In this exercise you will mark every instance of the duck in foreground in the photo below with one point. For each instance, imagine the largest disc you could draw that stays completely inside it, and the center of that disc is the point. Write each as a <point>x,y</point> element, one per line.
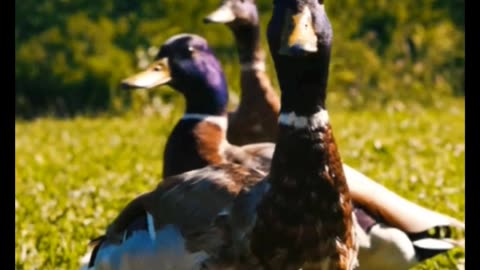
<point>255,119</point>
<point>306,220</point>
<point>393,230</point>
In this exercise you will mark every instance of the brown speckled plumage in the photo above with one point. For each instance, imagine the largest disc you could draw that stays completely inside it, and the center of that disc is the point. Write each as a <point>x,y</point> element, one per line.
<point>299,221</point>
<point>226,182</point>
<point>385,207</point>
<point>306,218</point>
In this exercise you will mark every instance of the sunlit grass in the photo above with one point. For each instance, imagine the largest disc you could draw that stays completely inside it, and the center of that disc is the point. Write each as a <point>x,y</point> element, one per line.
<point>72,176</point>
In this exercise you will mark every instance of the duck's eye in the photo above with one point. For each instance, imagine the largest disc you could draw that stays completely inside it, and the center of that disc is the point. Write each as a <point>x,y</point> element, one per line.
<point>187,53</point>
<point>157,68</point>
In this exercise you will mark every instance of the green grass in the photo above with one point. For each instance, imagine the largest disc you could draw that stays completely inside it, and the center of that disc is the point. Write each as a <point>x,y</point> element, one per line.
<point>72,176</point>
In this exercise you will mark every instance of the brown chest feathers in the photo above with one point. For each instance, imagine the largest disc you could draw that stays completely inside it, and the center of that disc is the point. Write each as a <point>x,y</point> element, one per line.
<point>193,144</point>
<point>307,214</point>
<point>210,139</point>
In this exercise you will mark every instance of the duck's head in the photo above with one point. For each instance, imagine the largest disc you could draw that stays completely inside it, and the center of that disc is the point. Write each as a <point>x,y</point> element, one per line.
<point>299,36</point>
<point>241,17</point>
<point>299,27</point>
<point>234,13</point>
<point>186,63</point>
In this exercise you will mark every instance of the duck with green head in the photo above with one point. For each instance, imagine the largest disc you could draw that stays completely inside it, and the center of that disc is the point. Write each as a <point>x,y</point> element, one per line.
<point>187,64</point>
<point>179,223</point>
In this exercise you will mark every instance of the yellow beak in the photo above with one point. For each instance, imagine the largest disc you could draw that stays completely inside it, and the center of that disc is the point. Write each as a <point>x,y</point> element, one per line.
<point>154,75</point>
<point>223,14</point>
<point>298,35</point>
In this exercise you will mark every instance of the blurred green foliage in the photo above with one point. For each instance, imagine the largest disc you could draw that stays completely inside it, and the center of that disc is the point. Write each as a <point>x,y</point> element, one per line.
<point>71,54</point>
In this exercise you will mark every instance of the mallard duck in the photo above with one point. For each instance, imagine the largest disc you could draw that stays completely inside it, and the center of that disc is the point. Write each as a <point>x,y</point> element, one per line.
<point>306,219</point>
<point>255,119</point>
<point>186,63</point>
<point>391,225</point>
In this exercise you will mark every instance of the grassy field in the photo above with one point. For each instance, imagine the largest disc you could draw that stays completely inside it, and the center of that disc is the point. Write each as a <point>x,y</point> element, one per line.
<point>72,176</point>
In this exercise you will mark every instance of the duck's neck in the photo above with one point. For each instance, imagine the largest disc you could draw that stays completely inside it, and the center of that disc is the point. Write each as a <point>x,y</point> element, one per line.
<point>304,82</point>
<point>212,101</point>
<point>250,52</point>
<point>197,140</point>
<point>306,166</point>
<point>254,82</point>
<point>205,90</point>
<point>306,158</point>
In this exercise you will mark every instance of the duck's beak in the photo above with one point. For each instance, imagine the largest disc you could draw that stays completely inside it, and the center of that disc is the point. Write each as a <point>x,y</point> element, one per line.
<point>298,35</point>
<point>223,14</point>
<point>156,74</point>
